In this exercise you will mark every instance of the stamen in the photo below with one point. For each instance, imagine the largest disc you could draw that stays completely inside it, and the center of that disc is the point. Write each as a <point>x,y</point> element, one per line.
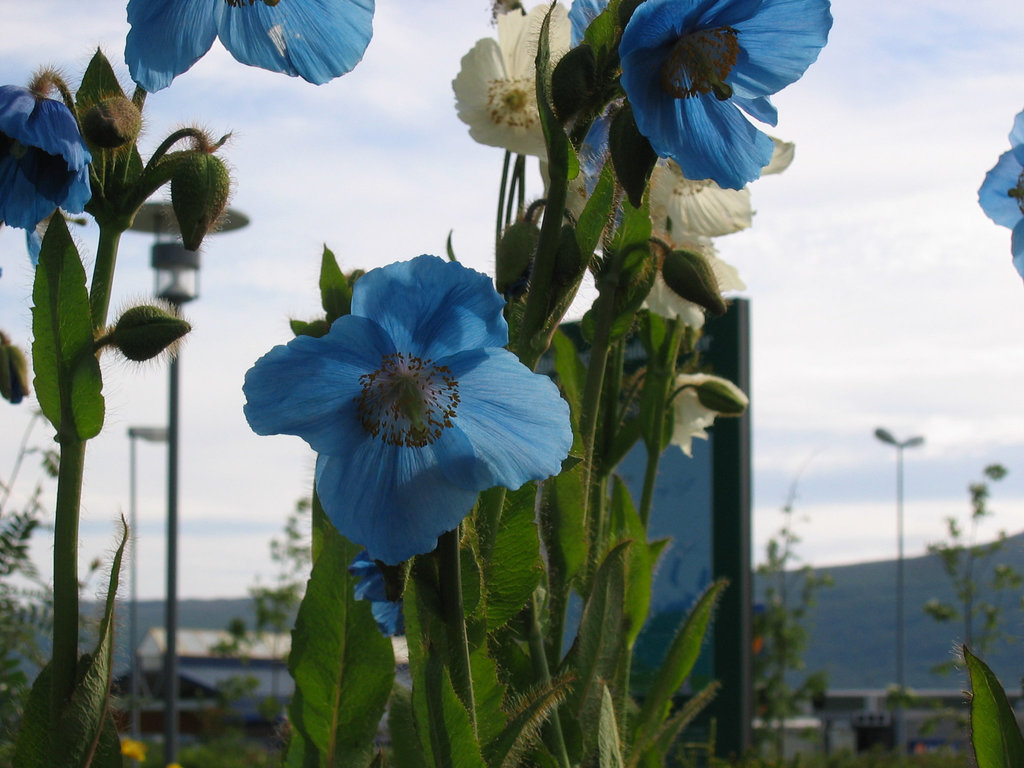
<point>407,401</point>
<point>700,62</point>
<point>1017,193</point>
<point>512,102</point>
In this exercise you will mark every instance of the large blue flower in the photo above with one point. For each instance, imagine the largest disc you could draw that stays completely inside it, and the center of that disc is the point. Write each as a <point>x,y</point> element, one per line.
<point>413,405</point>
<point>44,163</point>
<point>316,40</point>
<point>690,66</point>
<point>387,613</point>
<point>1002,193</point>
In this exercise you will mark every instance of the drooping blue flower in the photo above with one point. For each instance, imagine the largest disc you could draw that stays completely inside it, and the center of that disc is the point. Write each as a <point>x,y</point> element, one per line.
<point>387,613</point>
<point>1001,195</point>
<point>413,405</point>
<point>316,40</point>
<point>690,66</point>
<point>581,14</point>
<point>44,163</point>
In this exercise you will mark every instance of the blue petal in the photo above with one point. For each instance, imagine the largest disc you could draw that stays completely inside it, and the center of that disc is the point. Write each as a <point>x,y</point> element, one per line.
<point>515,419</point>
<point>779,43</point>
<point>581,14</point>
<point>34,245</point>
<point>167,37</point>
<point>393,500</point>
<point>308,387</point>
<point>992,196</point>
<point>389,617</point>
<point>1017,247</point>
<point>1017,137</point>
<point>317,40</point>
<point>432,308</point>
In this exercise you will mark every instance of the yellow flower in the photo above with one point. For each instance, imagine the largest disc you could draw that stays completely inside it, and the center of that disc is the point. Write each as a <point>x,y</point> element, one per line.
<point>133,750</point>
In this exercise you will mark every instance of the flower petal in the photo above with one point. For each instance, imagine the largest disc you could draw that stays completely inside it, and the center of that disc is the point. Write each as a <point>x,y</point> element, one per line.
<point>432,308</point>
<point>166,38</point>
<point>515,419</point>
<point>1017,247</point>
<point>309,387</point>
<point>393,500</point>
<point>992,196</point>
<point>316,40</point>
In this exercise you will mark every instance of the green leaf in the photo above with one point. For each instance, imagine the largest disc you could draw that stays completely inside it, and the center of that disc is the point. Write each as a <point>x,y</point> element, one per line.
<point>99,82</point>
<point>642,558</point>
<point>678,664</point>
<point>631,154</point>
<point>67,374</point>
<point>513,568</point>
<point>609,750</point>
<point>995,735</point>
<point>562,524</point>
<point>407,749</point>
<point>523,730</point>
<point>343,666</point>
<point>32,746</point>
<point>562,160</point>
<point>599,647</point>
<point>335,292</point>
<point>594,217</point>
<point>80,730</point>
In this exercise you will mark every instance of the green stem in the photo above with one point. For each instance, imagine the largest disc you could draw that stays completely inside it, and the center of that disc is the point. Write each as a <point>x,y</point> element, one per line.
<point>650,476</point>
<point>65,573</point>
<point>103,274</point>
<point>499,223</point>
<point>450,577</point>
<point>540,666</point>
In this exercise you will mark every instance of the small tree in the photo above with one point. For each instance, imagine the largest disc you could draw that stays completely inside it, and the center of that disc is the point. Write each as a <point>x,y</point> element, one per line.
<point>981,585</point>
<point>781,634</point>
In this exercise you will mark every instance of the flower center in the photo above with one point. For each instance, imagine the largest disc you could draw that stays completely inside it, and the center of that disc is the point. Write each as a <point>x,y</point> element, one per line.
<point>407,401</point>
<point>1017,193</point>
<point>700,62</point>
<point>512,102</point>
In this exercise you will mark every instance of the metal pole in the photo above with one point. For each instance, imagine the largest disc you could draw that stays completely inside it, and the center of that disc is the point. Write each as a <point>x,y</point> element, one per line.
<point>900,644</point>
<point>171,604</point>
<point>133,620</point>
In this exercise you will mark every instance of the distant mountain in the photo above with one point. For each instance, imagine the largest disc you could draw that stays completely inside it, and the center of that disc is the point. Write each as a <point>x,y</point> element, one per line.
<point>852,628</point>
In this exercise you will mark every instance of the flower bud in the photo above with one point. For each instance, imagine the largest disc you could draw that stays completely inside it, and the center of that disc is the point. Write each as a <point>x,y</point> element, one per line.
<point>573,81</point>
<point>199,194</point>
<point>515,254</point>
<point>690,276</point>
<point>13,372</point>
<point>722,396</point>
<point>143,332</point>
<point>112,123</point>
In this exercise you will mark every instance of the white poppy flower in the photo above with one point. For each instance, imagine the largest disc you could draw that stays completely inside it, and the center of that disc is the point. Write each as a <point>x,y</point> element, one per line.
<point>496,88</point>
<point>691,416</point>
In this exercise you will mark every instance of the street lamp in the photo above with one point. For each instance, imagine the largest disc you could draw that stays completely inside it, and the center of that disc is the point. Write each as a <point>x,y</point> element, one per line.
<point>911,442</point>
<point>151,435</point>
<point>177,281</point>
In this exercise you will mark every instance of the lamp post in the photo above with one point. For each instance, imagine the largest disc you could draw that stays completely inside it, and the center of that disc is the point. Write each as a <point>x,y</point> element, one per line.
<point>177,281</point>
<point>152,435</point>
<point>911,442</point>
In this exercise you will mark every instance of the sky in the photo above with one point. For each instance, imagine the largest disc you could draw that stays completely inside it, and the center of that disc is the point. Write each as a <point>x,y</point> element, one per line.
<point>880,293</point>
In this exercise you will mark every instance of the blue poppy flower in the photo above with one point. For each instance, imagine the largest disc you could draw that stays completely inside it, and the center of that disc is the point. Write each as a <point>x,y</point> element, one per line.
<point>413,406</point>
<point>690,66</point>
<point>44,163</point>
<point>1002,193</point>
<point>316,40</point>
<point>387,613</point>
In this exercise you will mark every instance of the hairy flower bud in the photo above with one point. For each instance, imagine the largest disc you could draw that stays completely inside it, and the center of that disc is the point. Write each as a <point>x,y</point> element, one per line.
<point>515,254</point>
<point>199,193</point>
<point>690,276</point>
<point>144,331</point>
<point>722,396</point>
<point>13,372</point>
<point>112,123</point>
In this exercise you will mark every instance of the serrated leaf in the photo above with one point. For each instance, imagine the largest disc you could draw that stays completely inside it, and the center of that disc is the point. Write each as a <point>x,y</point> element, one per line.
<point>678,664</point>
<point>572,373</point>
<point>642,558</point>
<point>995,735</point>
<point>523,728</point>
<point>335,292</point>
<point>67,379</point>
<point>342,665</point>
<point>594,217</point>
